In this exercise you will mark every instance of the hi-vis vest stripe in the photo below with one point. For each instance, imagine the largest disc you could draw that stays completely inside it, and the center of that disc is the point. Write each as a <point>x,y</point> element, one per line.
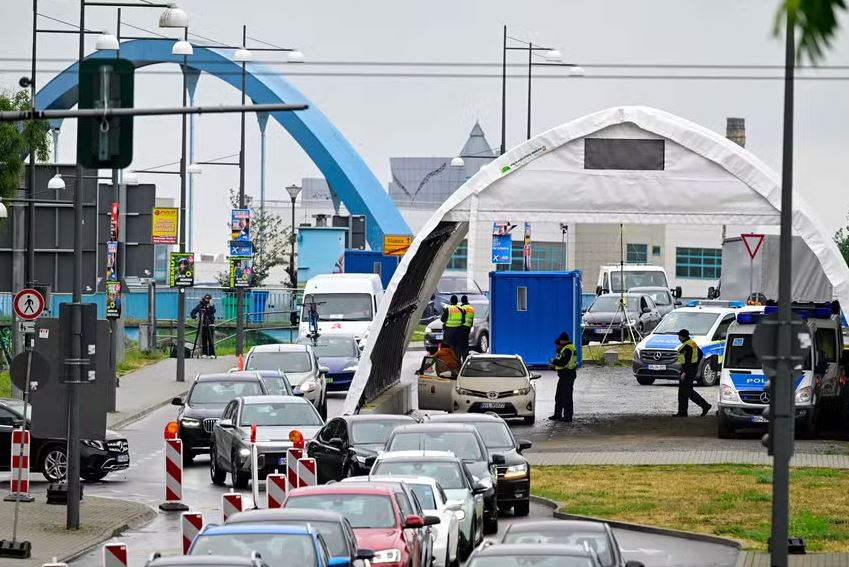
<point>470,315</point>
<point>694,352</point>
<point>573,360</point>
<point>455,316</point>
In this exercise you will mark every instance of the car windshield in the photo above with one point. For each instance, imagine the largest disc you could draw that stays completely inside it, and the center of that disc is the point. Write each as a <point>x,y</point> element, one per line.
<point>594,540</point>
<point>660,297</point>
<point>610,304</point>
<point>698,323</point>
<point>495,434</point>
<point>534,560</point>
<point>637,278</point>
<point>448,474</point>
<point>375,432</point>
<point>219,392</point>
<point>339,306</point>
<point>424,493</point>
<point>277,385</point>
<point>275,549</point>
<point>279,413</point>
<point>362,510</point>
<point>18,407</point>
<point>332,533</point>
<point>458,286</point>
<point>463,444</point>
<point>333,346</point>
<point>480,367</point>
<point>295,361</point>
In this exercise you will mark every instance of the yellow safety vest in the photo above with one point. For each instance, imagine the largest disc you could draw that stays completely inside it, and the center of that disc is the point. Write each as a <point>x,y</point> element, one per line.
<point>470,315</point>
<point>573,360</point>
<point>694,352</point>
<point>455,317</point>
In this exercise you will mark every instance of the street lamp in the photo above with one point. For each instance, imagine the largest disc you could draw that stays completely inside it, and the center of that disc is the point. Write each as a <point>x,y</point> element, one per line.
<point>457,162</point>
<point>107,42</point>
<point>174,17</point>
<point>296,56</point>
<point>293,191</point>
<point>194,169</point>
<point>3,212</point>
<point>56,182</point>
<point>182,47</point>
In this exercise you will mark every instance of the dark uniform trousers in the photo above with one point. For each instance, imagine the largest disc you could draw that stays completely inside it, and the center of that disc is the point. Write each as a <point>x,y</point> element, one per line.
<point>686,392</point>
<point>563,407</point>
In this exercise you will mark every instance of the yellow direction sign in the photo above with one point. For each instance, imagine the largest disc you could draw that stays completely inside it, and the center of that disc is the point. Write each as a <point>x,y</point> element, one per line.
<point>396,245</point>
<point>164,229</point>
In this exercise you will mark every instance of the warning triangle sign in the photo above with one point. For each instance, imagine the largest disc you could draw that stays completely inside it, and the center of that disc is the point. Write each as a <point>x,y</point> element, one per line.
<point>753,243</point>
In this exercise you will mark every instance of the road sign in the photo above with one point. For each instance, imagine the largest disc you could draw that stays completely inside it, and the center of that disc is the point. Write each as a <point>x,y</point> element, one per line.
<point>105,143</point>
<point>39,371</point>
<point>28,304</point>
<point>753,243</point>
<point>165,223</point>
<point>396,245</point>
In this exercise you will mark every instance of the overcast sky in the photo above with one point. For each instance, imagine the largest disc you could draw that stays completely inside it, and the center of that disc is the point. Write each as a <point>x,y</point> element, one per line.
<point>393,116</point>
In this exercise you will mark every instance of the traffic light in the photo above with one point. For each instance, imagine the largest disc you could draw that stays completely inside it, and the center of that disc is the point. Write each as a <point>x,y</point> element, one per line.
<point>105,143</point>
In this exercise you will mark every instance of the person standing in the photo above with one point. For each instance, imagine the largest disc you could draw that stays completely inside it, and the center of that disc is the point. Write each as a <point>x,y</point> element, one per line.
<point>206,325</point>
<point>452,325</point>
<point>689,357</point>
<point>466,329</point>
<point>565,364</point>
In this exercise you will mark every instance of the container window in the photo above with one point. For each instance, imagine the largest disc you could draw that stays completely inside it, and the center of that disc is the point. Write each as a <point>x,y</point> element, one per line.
<point>521,298</point>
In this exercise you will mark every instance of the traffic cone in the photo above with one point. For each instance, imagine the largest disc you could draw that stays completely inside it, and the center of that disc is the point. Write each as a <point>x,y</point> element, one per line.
<point>240,362</point>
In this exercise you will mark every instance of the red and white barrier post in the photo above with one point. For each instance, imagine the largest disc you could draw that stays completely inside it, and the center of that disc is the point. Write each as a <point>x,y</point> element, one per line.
<point>191,523</point>
<point>19,484</point>
<point>231,503</point>
<point>307,473</point>
<point>115,555</point>
<point>254,468</point>
<point>173,470</point>
<point>292,457</point>
<point>276,487</point>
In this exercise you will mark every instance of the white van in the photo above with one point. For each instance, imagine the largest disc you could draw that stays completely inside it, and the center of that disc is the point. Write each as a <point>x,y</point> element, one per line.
<point>346,303</point>
<point>635,275</point>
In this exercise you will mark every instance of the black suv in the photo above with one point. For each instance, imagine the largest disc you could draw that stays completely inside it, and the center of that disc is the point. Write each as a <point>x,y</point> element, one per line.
<point>205,403</point>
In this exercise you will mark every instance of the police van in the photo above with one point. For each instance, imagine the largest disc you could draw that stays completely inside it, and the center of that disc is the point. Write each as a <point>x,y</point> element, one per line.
<point>656,356</point>
<point>818,383</point>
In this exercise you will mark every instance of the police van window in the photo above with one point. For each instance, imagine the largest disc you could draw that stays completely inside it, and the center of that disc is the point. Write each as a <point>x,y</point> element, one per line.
<point>722,330</point>
<point>521,298</point>
<point>827,343</point>
<point>740,353</point>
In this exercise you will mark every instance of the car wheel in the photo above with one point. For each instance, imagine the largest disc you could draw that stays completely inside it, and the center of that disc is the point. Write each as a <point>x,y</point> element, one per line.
<point>529,419</point>
<point>483,342</point>
<point>188,457</point>
<point>215,473</point>
<point>490,526</point>
<point>238,479</point>
<point>323,411</point>
<point>94,476</point>
<point>643,381</point>
<point>724,429</point>
<point>54,463</point>
<point>708,376</point>
<point>522,508</point>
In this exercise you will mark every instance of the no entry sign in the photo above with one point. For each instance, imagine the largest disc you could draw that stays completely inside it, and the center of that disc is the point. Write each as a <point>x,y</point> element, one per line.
<point>28,304</point>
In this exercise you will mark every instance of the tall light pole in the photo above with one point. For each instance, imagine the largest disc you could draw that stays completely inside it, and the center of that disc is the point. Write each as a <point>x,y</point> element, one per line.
<point>293,191</point>
<point>242,56</point>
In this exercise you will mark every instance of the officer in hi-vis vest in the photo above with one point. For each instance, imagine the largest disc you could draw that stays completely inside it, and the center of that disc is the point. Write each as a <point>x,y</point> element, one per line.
<point>452,326</point>
<point>565,363</point>
<point>689,357</point>
<point>468,323</point>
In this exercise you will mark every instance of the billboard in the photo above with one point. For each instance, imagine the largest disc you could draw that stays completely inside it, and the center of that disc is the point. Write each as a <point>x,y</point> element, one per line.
<point>165,224</point>
<point>241,249</point>
<point>182,269</point>
<point>113,300</point>
<point>241,272</point>
<point>502,251</point>
<point>240,224</point>
<point>111,261</point>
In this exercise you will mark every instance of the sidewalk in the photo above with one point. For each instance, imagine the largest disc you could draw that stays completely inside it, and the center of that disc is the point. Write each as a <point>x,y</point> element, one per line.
<point>709,457</point>
<point>152,387</point>
<point>43,526</point>
<point>755,559</point>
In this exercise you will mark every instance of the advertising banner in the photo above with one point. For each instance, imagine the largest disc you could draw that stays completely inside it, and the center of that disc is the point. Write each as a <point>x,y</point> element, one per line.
<point>165,224</point>
<point>113,222</point>
<point>111,261</point>
<point>502,248</point>
<point>241,249</point>
<point>526,249</point>
<point>241,272</point>
<point>240,224</point>
<point>113,300</point>
<point>182,269</point>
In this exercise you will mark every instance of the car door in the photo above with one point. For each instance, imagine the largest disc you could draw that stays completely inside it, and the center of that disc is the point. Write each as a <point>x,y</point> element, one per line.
<point>328,458</point>
<point>435,388</point>
<point>8,422</point>
<point>413,536</point>
<point>223,436</point>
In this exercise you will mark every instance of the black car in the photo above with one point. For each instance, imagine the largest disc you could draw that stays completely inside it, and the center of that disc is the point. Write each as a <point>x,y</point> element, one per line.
<point>596,535</point>
<point>205,402</point>
<point>465,443</point>
<point>335,528</point>
<point>514,476</point>
<point>49,456</point>
<point>606,321</point>
<point>347,445</point>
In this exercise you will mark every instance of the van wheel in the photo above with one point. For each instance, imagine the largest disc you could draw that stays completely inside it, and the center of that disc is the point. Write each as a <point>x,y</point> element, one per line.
<point>643,381</point>
<point>724,429</point>
<point>707,374</point>
<point>483,343</point>
<point>529,419</point>
<point>522,508</point>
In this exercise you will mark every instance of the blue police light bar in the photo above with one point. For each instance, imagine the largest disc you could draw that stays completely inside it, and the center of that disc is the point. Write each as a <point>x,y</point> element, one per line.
<point>749,317</point>
<point>735,304</point>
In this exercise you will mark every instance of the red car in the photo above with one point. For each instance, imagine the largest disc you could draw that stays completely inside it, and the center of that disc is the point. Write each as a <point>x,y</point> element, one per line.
<point>379,517</point>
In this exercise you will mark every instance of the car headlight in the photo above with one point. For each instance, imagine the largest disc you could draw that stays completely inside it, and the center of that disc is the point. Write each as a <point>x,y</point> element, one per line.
<point>465,392</point>
<point>386,556</point>
<point>638,352</point>
<point>350,369</point>
<point>245,452</point>
<point>521,391</point>
<point>307,386</point>
<point>516,471</point>
<point>189,422</point>
<point>94,444</point>
<point>461,515</point>
<point>362,460</point>
<point>728,394</point>
<point>803,395</point>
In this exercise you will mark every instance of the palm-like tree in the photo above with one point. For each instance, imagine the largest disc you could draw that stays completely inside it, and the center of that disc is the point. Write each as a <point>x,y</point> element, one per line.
<point>816,21</point>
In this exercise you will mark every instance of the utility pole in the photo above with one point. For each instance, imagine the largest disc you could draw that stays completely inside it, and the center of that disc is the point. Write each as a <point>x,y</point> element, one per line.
<point>181,290</point>
<point>240,294</point>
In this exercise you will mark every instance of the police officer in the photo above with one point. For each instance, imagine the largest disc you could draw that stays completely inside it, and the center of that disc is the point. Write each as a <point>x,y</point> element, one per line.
<point>452,325</point>
<point>565,364</point>
<point>205,309</point>
<point>468,322</point>
<point>689,356</point>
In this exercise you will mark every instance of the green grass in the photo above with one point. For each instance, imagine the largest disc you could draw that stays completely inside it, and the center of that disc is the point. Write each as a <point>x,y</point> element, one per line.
<point>726,500</point>
<point>5,384</point>
<point>133,360</point>
<point>418,334</point>
<point>594,354</point>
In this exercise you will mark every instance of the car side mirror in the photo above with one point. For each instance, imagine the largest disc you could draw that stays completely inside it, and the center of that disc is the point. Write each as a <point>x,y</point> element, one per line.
<point>413,521</point>
<point>677,292</point>
<point>336,443</point>
<point>363,553</point>
<point>634,564</point>
<point>535,376</point>
<point>233,370</point>
<point>446,374</point>
<point>431,520</point>
<point>454,505</point>
<point>646,309</point>
<point>524,445</point>
<point>323,370</point>
<point>178,401</point>
<point>226,423</point>
<point>479,488</point>
<point>369,462</point>
<point>297,392</point>
<point>498,459</point>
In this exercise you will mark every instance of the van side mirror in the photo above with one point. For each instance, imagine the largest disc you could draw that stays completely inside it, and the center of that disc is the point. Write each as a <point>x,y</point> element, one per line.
<point>295,318</point>
<point>677,292</point>
<point>598,290</point>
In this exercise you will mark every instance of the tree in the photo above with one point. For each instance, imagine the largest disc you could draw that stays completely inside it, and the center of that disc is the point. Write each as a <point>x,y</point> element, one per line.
<point>15,140</point>
<point>841,238</point>
<point>817,22</point>
<point>270,239</point>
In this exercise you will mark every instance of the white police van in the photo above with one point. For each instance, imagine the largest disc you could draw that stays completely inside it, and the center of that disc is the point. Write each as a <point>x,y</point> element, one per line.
<point>656,356</point>
<point>818,383</point>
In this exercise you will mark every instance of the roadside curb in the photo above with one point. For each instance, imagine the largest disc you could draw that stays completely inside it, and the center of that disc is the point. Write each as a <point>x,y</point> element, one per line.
<point>693,536</point>
<point>139,520</point>
<point>143,412</point>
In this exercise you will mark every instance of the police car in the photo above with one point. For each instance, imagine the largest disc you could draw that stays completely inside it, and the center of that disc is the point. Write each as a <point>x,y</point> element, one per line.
<point>656,356</point>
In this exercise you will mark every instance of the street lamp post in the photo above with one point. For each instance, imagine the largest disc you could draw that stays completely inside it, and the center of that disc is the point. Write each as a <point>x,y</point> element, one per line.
<point>242,56</point>
<point>293,191</point>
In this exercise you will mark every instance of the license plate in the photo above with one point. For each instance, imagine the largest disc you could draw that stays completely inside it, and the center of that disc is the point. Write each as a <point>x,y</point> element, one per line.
<point>329,380</point>
<point>600,331</point>
<point>123,458</point>
<point>759,419</point>
<point>493,405</point>
<point>437,336</point>
<point>281,461</point>
<point>657,367</point>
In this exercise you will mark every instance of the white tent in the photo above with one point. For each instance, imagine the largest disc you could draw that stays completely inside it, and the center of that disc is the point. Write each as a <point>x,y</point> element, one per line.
<point>620,165</point>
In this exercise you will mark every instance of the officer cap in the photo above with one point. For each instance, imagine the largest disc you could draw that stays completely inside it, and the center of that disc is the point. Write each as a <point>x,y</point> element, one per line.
<point>684,333</point>
<point>563,338</point>
<point>207,296</point>
<point>453,299</point>
<point>464,299</point>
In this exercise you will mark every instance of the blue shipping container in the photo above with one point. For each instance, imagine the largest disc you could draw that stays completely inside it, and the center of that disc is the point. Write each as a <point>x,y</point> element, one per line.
<point>371,262</point>
<point>528,310</point>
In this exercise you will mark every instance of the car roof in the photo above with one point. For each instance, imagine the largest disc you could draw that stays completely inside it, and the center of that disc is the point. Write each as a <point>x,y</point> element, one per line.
<point>242,376</point>
<point>408,479</point>
<point>269,373</point>
<point>648,288</point>
<point>478,355</point>
<point>350,336</point>
<point>285,514</point>
<point>626,294</point>
<point>223,560</point>
<point>247,528</point>
<point>418,455</point>
<point>280,347</point>
<point>465,418</point>
<point>435,427</point>
<point>250,400</point>
<point>708,309</point>
<point>376,417</point>
<point>559,525</point>
<point>532,549</point>
<point>340,488</point>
